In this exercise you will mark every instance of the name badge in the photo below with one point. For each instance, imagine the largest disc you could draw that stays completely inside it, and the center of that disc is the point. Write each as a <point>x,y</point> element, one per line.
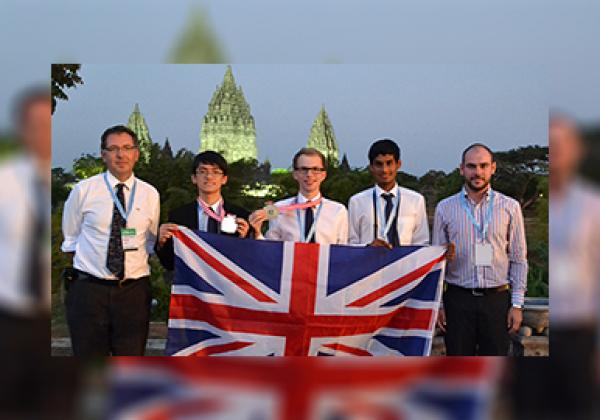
<point>128,239</point>
<point>228,224</point>
<point>483,254</point>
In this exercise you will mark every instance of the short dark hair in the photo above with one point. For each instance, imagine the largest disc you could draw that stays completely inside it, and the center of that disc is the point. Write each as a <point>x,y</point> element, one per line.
<point>473,146</point>
<point>309,151</point>
<point>210,157</point>
<point>27,98</point>
<point>384,147</point>
<point>117,129</point>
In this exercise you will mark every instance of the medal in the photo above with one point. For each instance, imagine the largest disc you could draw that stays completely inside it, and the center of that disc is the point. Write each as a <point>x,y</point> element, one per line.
<point>272,212</point>
<point>228,224</point>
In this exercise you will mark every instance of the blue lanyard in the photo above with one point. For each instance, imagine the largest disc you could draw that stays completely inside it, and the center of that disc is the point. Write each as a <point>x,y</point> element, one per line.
<point>379,213</point>
<point>311,233</point>
<point>116,200</point>
<point>486,221</point>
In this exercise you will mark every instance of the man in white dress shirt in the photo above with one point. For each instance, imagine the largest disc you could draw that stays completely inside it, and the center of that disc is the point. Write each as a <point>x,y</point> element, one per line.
<point>110,224</point>
<point>387,214</point>
<point>307,217</point>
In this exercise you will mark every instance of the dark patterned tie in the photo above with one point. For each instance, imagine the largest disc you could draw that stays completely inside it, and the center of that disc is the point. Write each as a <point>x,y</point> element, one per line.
<point>115,259</point>
<point>308,222</point>
<point>392,235</point>
<point>37,241</point>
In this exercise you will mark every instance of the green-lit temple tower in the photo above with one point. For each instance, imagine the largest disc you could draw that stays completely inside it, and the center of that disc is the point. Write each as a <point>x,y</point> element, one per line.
<point>138,124</point>
<point>322,137</point>
<point>228,126</point>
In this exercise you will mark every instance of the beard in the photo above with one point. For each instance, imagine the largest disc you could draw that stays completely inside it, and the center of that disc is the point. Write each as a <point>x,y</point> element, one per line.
<point>476,188</point>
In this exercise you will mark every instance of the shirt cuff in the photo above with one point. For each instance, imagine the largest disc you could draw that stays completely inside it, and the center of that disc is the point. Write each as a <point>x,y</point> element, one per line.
<point>518,298</point>
<point>68,245</point>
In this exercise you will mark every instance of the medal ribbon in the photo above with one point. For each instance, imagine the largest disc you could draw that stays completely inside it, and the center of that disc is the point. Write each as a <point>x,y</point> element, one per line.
<point>210,213</point>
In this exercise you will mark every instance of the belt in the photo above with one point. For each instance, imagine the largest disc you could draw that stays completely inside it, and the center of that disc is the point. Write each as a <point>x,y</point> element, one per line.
<point>479,291</point>
<point>82,275</point>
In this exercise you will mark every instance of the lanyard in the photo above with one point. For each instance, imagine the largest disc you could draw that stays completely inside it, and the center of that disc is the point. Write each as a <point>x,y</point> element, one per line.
<point>379,212</point>
<point>116,200</point>
<point>311,232</point>
<point>486,221</point>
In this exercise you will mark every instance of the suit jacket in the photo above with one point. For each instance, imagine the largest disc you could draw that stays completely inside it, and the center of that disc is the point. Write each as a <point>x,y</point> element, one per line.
<point>332,225</point>
<point>412,224</point>
<point>187,215</point>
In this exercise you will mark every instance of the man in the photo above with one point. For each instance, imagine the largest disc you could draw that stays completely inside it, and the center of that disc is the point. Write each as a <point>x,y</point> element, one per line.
<point>209,212</point>
<point>307,217</point>
<point>565,385</point>
<point>31,383</point>
<point>491,258</point>
<point>387,214</point>
<point>110,223</point>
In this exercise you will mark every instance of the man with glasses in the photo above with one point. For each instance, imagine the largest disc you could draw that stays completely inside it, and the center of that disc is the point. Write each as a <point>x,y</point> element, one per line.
<point>307,217</point>
<point>387,215</point>
<point>209,212</point>
<point>109,225</point>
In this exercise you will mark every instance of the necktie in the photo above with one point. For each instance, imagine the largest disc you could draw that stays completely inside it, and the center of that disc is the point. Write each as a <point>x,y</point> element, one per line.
<point>392,235</point>
<point>213,226</point>
<point>37,241</point>
<point>115,259</point>
<point>308,222</point>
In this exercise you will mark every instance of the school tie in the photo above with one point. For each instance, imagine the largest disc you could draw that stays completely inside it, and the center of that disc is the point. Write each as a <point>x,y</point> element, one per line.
<point>308,222</point>
<point>392,235</point>
<point>115,259</point>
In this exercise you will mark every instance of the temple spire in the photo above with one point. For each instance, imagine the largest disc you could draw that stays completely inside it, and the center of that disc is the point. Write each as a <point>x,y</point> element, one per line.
<point>228,126</point>
<point>138,124</point>
<point>322,137</point>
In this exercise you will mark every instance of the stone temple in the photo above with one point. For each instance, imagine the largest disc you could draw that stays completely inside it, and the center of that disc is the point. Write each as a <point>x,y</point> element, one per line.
<point>137,123</point>
<point>228,126</point>
<point>322,137</point>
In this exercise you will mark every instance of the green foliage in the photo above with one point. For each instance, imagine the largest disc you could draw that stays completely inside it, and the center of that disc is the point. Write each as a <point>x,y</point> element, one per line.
<point>87,166</point>
<point>61,182</point>
<point>64,76</point>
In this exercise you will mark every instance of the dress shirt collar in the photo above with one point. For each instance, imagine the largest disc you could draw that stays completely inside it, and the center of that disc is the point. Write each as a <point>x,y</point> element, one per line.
<point>486,197</point>
<point>113,181</point>
<point>301,199</point>
<point>379,191</point>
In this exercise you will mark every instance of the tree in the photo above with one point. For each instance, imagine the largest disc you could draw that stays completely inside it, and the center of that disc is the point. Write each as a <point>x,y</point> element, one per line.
<point>87,165</point>
<point>519,172</point>
<point>64,76</point>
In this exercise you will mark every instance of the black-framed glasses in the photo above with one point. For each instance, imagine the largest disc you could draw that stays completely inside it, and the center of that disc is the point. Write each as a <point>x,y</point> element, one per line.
<point>115,149</point>
<point>305,170</point>
<point>207,172</point>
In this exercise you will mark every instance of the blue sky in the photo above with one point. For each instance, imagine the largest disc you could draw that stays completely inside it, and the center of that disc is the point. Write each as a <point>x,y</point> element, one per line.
<point>432,112</point>
<point>463,64</point>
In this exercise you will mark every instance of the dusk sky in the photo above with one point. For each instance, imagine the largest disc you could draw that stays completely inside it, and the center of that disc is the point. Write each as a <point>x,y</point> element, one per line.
<point>456,72</point>
<point>432,112</point>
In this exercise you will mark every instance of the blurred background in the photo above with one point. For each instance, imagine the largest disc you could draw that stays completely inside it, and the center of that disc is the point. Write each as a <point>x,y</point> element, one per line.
<point>552,44</point>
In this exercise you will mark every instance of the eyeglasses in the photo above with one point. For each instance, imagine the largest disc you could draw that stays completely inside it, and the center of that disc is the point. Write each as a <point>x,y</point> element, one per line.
<point>205,172</point>
<point>304,170</point>
<point>115,149</point>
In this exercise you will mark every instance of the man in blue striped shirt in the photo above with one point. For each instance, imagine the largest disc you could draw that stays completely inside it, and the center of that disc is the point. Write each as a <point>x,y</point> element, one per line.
<point>487,279</point>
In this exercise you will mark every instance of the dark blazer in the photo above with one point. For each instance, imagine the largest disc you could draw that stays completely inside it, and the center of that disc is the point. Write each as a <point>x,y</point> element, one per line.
<point>187,215</point>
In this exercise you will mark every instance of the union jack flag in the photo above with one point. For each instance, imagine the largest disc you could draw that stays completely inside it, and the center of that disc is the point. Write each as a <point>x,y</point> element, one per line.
<point>155,388</point>
<point>251,298</point>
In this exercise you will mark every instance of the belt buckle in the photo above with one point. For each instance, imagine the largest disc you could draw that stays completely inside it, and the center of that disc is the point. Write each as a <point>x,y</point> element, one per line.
<point>476,293</point>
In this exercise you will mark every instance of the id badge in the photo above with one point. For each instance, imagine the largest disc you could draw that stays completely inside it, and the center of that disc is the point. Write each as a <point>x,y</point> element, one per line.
<point>483,254</point>
<point>128,239</point>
